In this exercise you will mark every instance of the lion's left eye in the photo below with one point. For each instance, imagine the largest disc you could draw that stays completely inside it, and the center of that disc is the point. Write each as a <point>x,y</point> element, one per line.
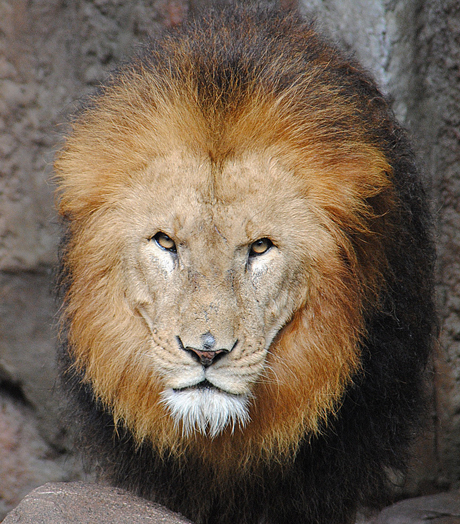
<point>259,247</point>
<point>165,242</point>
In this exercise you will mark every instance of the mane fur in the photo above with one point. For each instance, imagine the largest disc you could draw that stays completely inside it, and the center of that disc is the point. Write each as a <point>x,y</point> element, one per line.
<point>257,80</point>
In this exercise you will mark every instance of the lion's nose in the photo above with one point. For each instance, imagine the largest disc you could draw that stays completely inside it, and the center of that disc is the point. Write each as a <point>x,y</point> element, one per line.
<point>206,354</point>
<point>206,358</point>
<point>209,341</point>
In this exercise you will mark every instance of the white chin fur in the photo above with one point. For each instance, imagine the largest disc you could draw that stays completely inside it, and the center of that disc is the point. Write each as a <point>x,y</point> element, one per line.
<point>206,410</point>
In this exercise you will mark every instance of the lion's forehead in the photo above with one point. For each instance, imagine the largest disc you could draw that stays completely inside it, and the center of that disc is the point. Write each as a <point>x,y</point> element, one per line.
<point>234,202</point>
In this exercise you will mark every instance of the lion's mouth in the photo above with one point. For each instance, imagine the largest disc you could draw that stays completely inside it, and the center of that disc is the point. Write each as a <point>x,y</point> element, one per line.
<point>204,384</point>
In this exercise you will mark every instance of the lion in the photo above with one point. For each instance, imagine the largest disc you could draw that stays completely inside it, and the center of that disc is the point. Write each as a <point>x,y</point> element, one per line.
<point>246,275</point>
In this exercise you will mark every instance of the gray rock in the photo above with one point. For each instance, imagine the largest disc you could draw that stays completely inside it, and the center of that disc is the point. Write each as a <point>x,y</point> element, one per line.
<point>79,502</point>
<point>26,459</point>
<point>434,509</point>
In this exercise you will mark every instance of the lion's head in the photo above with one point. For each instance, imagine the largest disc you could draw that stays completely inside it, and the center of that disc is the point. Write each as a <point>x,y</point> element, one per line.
<point>224,244</point>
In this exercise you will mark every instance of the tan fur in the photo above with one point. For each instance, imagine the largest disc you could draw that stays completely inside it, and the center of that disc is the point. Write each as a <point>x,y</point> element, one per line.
<point>147,159</point>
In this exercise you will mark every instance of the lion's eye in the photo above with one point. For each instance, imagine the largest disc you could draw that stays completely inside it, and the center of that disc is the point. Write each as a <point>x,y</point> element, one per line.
<point>165,242</point>
<point>259,247</point>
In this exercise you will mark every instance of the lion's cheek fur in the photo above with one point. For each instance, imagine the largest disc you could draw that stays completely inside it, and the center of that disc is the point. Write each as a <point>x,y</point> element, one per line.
<point>299,365</point>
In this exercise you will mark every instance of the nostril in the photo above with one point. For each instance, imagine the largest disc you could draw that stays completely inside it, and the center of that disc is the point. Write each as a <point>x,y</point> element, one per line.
<point>206,358</point>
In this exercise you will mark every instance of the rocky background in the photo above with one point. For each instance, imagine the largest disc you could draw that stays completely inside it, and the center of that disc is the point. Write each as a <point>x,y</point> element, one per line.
<point>52,52</point>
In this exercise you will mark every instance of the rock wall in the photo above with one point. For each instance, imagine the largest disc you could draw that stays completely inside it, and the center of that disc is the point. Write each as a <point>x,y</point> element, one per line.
<point>438,125</point>
<point>53,52</point>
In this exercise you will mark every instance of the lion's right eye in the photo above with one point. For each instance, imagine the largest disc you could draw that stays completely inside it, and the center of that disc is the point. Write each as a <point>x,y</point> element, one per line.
<point>259,247</point>
<point>165,242</point>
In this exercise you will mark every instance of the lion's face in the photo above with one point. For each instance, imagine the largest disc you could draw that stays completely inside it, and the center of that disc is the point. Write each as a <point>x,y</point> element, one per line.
<point>215,267</point>
<point>217,300</point>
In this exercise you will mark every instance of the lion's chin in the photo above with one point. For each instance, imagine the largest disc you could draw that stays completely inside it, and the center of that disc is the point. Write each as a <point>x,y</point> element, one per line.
<point>208,410</point>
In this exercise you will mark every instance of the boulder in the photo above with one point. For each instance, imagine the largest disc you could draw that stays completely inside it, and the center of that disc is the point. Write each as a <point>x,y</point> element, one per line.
<point>443,508</point>
<point>80,502</point>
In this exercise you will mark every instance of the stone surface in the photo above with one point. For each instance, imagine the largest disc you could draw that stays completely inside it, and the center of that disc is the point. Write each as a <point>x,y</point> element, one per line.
<point>436,509</point>
<point>27,334</point>
<point>26,459</point>
<point>439,63</point>
<point>33,440</point>
<point>82,503</point>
